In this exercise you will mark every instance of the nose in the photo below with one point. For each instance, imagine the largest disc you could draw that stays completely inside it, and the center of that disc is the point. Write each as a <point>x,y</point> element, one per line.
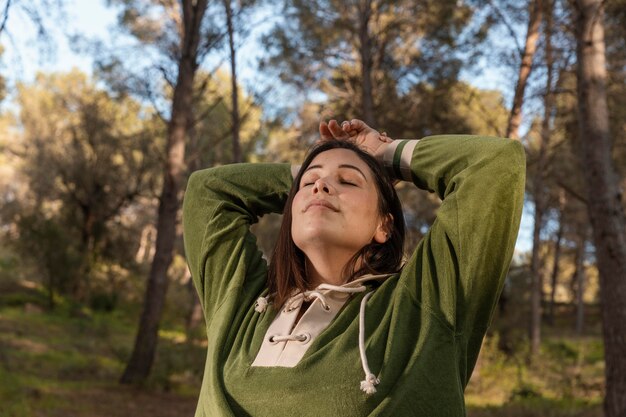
<point>321,186</point>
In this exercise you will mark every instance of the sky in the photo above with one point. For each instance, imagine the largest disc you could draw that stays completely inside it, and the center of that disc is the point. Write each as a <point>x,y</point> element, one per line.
<point>23,58</point>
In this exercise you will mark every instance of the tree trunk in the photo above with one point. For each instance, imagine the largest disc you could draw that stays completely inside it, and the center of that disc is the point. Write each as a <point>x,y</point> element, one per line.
<point>536,290</point>
<point>194,314</point>
<point>530,46</point>
<point>237,157</point>
<point>50,290</point>
<point>367,62</point>
<point>557,257</point>
<point>82,287</point>
<point>604,197</point>
<point>141,360</point>
<point>579,277</point>
<point>538,189</point>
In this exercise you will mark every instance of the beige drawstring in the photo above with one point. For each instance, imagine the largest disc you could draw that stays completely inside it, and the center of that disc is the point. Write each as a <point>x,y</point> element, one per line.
<point>261,304</point>
<point>368,385</point>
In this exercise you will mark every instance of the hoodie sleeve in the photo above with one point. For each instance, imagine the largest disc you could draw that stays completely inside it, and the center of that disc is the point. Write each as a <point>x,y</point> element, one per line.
<point>457,271</point>
<point>219,206</point>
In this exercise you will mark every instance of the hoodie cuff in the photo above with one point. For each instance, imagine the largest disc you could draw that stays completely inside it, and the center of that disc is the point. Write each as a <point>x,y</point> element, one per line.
<point>397,158</point>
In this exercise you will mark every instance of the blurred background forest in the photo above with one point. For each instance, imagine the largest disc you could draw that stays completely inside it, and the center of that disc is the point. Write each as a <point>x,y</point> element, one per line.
<point>98,315</point>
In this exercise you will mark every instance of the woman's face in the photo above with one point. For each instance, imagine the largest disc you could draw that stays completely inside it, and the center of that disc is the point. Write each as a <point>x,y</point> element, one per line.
<point>336,206</point>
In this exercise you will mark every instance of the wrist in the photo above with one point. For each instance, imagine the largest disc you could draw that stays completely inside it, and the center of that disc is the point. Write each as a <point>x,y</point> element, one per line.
<point>381,151</point>
<point>397,158</point>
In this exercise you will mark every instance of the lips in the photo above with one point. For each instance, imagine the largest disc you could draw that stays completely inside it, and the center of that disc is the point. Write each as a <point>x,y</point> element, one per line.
<point>322,203</point>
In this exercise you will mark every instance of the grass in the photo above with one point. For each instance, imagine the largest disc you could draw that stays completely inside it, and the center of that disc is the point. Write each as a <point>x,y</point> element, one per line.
<point>539,408</point>
<point>65,364</point>
<point>565,379</point>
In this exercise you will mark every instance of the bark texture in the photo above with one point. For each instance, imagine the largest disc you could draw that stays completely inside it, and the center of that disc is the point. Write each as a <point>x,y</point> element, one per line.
<point>540,195</point>
<point>235,119</point>
<point>579,277</point>
<point>144,350</point>
<point>367,62</point>
<point>604,197</point>
<point>555,275</point>
<point>530,47</point>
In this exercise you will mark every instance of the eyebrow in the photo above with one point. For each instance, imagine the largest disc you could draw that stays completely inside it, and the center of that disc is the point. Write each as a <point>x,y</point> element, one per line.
<point>340,166</point>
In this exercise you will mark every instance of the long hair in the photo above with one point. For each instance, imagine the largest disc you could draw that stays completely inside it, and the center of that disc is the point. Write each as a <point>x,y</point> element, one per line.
<point>287,267</point>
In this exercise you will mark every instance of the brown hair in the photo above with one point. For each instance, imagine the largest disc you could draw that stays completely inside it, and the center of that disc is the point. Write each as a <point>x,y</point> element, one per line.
<point>287,266</point>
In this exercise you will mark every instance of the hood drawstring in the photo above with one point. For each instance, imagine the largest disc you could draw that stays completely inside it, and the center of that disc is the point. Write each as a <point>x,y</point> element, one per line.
<point>261,304</point>
<point>368,385</point>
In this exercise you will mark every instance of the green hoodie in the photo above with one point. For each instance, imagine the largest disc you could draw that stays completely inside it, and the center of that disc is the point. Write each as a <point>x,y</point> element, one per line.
<point>422,328</point>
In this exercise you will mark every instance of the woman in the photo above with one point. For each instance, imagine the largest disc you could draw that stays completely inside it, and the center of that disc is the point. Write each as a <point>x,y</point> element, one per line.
<point>334,327</point>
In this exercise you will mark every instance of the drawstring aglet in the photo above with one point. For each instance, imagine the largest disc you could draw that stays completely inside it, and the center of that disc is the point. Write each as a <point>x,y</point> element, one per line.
<point>369,384</point>
<point>261,304</point>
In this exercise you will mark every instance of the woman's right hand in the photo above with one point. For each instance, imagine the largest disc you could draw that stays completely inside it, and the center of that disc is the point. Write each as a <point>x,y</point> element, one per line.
<point>367,138</point>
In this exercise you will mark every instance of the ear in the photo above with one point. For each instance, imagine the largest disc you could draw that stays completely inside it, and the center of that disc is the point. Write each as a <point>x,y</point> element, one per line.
<point>383,231</point>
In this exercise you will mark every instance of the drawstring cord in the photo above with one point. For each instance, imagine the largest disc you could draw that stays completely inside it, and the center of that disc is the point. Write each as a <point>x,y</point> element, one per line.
<point>368,385</point>
<point>261,304</point>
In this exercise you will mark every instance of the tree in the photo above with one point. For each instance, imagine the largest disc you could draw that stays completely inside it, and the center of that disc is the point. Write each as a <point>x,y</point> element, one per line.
<point>539,193</point>
<point>526,62</point>
<point>43,15</point>
<point>75,142</point>
<point>558,246</point>
<point>188,20</point>
<point>603,195</point>
<point>362,55</point>
<point>233,76</point>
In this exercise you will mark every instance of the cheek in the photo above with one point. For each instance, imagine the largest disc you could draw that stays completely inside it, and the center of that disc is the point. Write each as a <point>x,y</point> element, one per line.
<point>296,206</point>
<point>367,205</point>
<point>295,214</point>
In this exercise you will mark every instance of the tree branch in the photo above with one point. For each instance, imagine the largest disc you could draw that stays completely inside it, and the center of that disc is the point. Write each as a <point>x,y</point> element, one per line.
<point>5,16</point>
<point>508,26</point>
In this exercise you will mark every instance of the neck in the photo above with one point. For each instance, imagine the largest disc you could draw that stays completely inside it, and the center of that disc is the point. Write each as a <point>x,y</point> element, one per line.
<point>327,267</point>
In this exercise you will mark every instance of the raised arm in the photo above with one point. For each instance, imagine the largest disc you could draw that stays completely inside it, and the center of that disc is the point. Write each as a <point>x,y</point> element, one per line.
<point>219,206</point>
<point>457,271</point>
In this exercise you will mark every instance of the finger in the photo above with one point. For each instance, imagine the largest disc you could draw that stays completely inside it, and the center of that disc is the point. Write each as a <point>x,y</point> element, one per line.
<point>336,130</point>
<point>325,133</point>
<point>358,125</point>
<point>345,125</point>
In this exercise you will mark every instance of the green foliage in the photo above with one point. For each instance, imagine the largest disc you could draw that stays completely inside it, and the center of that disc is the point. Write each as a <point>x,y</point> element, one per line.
<point>318,38</point>
<point>338,49</point>
<point>211,138</point>
<point>159,24</point>
<point>86,158</point>
<point>567,368</point>
<point>57,251</point>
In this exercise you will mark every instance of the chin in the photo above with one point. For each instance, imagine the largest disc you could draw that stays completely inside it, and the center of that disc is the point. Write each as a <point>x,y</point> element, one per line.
<point>313,240</point>
<point>325,242</point>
